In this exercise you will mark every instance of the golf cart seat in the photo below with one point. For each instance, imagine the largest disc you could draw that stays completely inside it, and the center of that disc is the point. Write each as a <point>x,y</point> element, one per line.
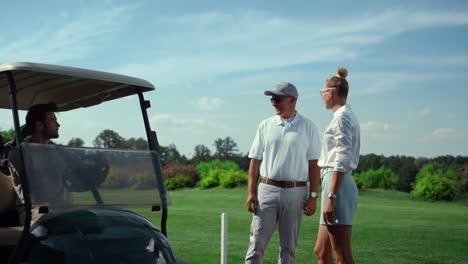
<point>10,232</point>
<point>7,194</point>
<point>9,236</point>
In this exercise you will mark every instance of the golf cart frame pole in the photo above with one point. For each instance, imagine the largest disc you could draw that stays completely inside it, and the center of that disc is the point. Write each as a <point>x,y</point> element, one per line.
<point>20,247</point>
<point>154,146</point>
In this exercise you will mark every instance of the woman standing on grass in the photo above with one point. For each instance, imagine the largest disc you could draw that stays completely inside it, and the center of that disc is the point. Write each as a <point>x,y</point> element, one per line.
<point>339,156</point>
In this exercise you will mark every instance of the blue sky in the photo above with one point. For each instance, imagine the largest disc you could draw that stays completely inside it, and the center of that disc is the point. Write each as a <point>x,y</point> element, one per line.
<point>211,61</point>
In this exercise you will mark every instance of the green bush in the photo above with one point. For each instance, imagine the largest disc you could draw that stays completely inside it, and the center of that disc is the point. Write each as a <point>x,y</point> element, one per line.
<point>205,167</point>
<point>359,182</point>
<point>211,179</point>
<point>381,178</point>
<point>208,182</point>
<point>433,187</point>
<point>436,185</point>
<point>179,182</point>
<point>231,179</point>
<point>427,170</point>
<point>391,181</point>
<point>369,178</point>
<point>224,173</point>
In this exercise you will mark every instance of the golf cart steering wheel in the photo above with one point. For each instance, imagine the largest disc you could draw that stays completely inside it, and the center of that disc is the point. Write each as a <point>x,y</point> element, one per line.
<point>91,172</point>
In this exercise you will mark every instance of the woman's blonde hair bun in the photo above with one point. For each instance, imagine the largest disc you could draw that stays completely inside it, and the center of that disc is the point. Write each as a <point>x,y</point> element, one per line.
<point>342,72</point>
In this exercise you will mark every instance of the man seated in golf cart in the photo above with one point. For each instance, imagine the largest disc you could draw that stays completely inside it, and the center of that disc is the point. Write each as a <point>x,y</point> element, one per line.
<point>41,126</point>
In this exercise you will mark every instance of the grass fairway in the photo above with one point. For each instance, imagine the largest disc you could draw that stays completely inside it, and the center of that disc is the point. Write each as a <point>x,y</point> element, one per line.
<point>390,228</point>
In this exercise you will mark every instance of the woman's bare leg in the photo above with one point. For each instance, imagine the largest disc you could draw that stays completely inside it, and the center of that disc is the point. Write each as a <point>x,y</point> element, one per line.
<point>340,239</point>
<point>323,248</point>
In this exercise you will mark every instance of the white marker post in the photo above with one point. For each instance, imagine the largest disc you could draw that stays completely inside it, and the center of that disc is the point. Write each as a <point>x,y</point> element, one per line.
<point>224,229</point>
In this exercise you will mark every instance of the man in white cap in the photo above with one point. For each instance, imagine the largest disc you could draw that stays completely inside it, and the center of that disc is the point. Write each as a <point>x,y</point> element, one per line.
<point>284,156</point>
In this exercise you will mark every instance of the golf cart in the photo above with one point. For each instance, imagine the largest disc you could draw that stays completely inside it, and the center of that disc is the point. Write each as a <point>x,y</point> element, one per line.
<point>76,200</point>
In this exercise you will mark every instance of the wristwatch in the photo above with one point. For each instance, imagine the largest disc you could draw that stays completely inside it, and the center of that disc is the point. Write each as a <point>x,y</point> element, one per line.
<point>331,195</point>
<point>313,194</point>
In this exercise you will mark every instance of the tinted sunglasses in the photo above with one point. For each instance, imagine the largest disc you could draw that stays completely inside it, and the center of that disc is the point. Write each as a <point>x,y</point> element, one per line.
<point>277,99</point>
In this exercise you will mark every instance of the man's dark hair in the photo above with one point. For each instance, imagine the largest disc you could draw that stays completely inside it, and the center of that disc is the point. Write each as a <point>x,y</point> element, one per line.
<point>37,113</point>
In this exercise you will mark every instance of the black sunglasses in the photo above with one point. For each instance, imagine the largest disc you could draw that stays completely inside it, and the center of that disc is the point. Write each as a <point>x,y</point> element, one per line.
<point>277,99</point>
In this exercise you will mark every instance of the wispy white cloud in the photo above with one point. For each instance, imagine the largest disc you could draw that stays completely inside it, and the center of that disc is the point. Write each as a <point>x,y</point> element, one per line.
<point>379,130</point>
<point>445,134</point>
<point>184,123</point>
<point>68,37</point>
<point>372,126</point>
<point>206,103</point>
<point>249,40</point>
<point>422,113</point>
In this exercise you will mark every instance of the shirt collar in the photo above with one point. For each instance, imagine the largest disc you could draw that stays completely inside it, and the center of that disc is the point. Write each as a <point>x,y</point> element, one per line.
<point>342,109</point>
<point>280,121</point>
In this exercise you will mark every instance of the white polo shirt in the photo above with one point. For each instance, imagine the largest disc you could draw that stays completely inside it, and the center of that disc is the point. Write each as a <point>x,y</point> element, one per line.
<point>286,147</point>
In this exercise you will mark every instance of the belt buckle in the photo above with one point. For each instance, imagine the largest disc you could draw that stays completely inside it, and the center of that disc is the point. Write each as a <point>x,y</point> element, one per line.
<point>294,184</point>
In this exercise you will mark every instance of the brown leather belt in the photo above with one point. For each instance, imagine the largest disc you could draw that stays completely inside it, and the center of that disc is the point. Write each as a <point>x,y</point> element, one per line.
<point>283,184</point>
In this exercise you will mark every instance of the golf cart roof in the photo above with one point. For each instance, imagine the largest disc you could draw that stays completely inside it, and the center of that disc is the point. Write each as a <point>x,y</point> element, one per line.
<point>68,87</point>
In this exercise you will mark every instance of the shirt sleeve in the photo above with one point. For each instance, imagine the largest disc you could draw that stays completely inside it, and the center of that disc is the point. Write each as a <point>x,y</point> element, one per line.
<point>343,134</point>
<point>256,150</point>
<point>313,150</point>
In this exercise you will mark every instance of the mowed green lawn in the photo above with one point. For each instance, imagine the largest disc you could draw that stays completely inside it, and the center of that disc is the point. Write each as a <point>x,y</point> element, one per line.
<point>390,227</point>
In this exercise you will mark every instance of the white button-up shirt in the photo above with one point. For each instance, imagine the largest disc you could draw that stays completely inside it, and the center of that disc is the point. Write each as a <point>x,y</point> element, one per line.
<point>341,141</point>
<point>286,147</point>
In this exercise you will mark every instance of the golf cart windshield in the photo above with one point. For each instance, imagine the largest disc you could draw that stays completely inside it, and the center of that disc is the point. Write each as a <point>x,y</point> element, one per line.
<point>65,176</point>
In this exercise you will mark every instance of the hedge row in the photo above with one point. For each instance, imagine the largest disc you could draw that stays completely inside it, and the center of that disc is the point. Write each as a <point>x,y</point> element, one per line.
<point>430,184</point>
<point>225,174</point>
<point>382,178</point>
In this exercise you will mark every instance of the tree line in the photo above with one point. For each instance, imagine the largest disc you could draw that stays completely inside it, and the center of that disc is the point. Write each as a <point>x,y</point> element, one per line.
<point>405,167</point>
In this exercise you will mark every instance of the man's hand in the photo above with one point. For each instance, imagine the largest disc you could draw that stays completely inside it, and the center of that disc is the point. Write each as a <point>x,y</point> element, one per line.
<point>251,202</point>
<point>310,205</point>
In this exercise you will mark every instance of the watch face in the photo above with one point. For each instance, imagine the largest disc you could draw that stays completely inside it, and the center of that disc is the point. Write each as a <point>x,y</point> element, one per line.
<point>313,194</point>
